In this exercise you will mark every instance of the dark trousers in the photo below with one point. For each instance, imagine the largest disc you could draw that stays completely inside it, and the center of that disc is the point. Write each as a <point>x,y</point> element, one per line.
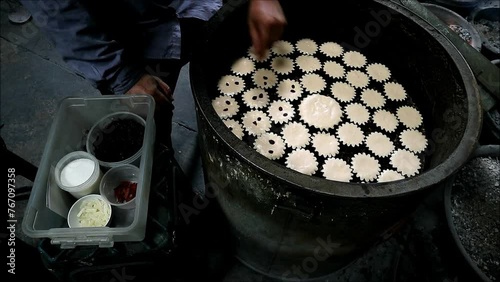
<point>168,70</point>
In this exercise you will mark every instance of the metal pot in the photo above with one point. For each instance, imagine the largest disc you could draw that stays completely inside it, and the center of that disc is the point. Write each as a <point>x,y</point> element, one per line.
<point>289,225</point>
<point>489,11</point>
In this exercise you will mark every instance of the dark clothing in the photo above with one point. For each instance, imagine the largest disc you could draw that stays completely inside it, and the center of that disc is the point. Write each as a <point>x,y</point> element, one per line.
<point>110,42</point>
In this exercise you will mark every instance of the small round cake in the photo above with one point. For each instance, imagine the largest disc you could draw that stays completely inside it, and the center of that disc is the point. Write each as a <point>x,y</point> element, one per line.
<point>389,175</point>
<point>253,56</point>
<point>350,134</point>
<point>334,69</point>
<point>256,122</point>
<point>307,63</point>
<point>405,162</point>
<point>303,161</point>
<point>357,78</point>
<point>225,106</point>
<point>365,167</point>
<point>320,111</point>
<point>313,83</point>
<point>281,111</point>
<point>255,98</point>
<point>372,98</point>
<point>413,140</point>
<point>354,59</point>
<point>394,91</point>
<point>270,145</point>
<point>289,89</point>
<point>265,78</point>
<point>331,49</point>
<point>409,116</point>
<point>343,91</point>
<point>378,72</point>
<point>231,84</point>
<point>379,144</point>
<point>296,135</point>
<point>337,170</point>
<point>282,48</point>
<point>282,65</point>
<point>243,66</point>
<point>325,144</point>
<point>235,127</point>
<point>307,46</point>
<point>385,120</point>
<point>357,113</point>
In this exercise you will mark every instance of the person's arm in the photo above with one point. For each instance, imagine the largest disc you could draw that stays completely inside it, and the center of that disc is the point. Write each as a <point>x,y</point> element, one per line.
<point>84,46</point>
<point>266,22</point>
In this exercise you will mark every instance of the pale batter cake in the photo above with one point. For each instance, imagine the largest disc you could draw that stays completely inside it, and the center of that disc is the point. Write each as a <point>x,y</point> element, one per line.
<point>378,72</point>
<point>282,65</point>
<point>235,127</point>
<point>313,83</point>
<point>343,91</point>
<point>256,98</point>
<point>354,59</point>
<point>289,89</point>
<point>243,66</point>
<point>413,140</point>
<point>331,49</point>
<point>337,170</point>
<point>372,98</point>
<point>256,122</point>
<point>409,116</point>
<point>265,78</point>
<point>405,162</point>
<point>379,144</point>
<point>365,167</point>
<point>385,120</point>
<point>307,63</point>
<point>320,111</point>
<point>231,84</point>
<point>350,134</point>
<point>282,48</point>
<point>357,78</point>
<point>270,145</point>
<point>325,144</point>
<point>307,46</point>
<point>295,135</point>
<point>281,111</point>
<point>303,161</point>
<point>225,106</point>
<point>334,69</point>
<point>357,113</point>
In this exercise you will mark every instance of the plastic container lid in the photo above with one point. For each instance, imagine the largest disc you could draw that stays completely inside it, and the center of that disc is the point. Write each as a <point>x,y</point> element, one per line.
<point>78,173</point>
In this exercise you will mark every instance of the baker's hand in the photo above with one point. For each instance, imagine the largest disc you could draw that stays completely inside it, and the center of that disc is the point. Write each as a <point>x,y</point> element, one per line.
<point>266,22</point>
<point>154,86</point>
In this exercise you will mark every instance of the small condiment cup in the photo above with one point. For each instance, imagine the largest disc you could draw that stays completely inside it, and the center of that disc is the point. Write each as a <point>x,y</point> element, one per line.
<point>102,127</point>
<point>113,178</point>
<point>78,173</point>
<point>76,211</point>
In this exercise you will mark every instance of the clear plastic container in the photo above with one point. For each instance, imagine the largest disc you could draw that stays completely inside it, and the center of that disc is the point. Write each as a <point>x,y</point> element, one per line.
<point>113,178</point>
<point>102,127</point>
<point>48,206</point>
<point>78,173</point>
